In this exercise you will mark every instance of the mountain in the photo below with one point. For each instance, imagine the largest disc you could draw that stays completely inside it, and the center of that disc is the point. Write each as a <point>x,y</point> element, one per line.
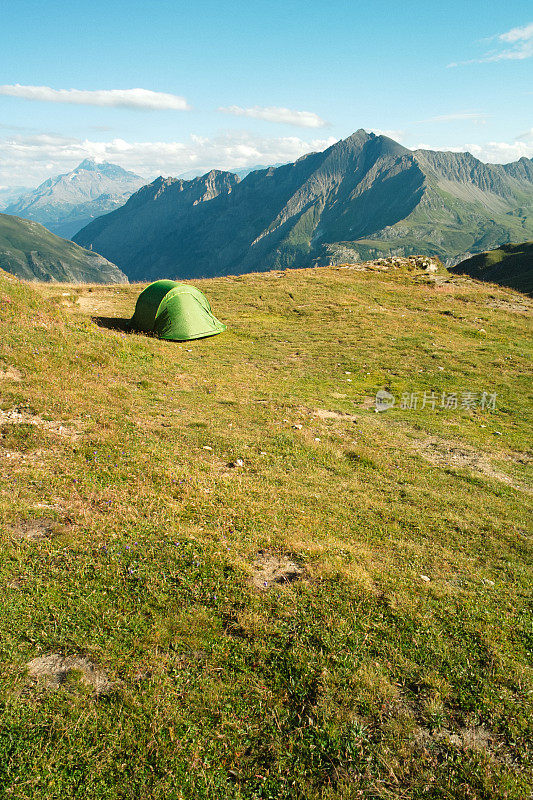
<point>67,203</point>
<point>509,265</point>
<point>242,172</point>
<point>30,251</point>
<point>11,194</point>
<point>362,198</point>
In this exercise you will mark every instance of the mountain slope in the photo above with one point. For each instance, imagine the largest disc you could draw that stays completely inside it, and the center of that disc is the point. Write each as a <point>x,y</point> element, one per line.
<point>67,203</point>
<point>240,580</point>
<point>509,265</point>
<point>11,194</point>
<point>30,251</point>
<point>363,197</point>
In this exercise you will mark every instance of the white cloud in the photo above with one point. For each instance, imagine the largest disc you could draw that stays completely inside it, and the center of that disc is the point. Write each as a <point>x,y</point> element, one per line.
<point>24,159</point>
<point>303,119</point>
<point>521,41</point>
<point>118,98</point>
<point>518,34</point>
<point>392,134</point>
<point>491,152</point>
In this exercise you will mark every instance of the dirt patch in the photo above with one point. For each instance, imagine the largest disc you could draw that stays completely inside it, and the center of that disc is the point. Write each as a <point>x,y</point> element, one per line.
<point>270,570</point>
<point>10,374</point>
<point>35,529</point>
<point>444,453</point>
<point>478,738</point>
<point>54,670</point>
<point>94,305</point>
<point>18,417</point>
<point>517,306</point>
<point>323,413</point>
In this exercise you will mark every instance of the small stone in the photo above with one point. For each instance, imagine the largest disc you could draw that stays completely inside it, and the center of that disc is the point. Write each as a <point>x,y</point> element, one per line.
<point>206,447</point>
<point>488,582</point>
<point>497,433</point>
<point>298,427</point>
<point>425,578</point>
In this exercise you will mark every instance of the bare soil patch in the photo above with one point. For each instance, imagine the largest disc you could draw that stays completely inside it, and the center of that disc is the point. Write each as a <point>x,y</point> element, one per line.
<point>54,669</point>
<point>323,413</point>
<point>35,529</point>
<point>444,453</point>
<point>515,306</point>
<point>10,374</point>
<point>271,570</point>
<point>18,417</point>
<point>474,738</point>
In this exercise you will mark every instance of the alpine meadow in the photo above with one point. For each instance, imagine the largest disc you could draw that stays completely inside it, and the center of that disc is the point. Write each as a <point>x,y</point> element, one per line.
<point>266,302</point>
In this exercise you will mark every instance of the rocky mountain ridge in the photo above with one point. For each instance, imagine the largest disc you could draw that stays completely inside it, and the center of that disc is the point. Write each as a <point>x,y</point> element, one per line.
<point>68,202</point>
<point>363,198</point>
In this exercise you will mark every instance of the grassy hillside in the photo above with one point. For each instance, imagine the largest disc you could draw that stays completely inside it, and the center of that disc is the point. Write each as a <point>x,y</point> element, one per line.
<point>30,251</point>
<point>151,492</point>
<point>509,265</point>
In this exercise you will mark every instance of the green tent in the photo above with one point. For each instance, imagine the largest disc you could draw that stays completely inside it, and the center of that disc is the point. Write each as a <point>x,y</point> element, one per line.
<point>175,311</point>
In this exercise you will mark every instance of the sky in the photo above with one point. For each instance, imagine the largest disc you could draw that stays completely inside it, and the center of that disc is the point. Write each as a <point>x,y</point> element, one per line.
<point>167,87</point>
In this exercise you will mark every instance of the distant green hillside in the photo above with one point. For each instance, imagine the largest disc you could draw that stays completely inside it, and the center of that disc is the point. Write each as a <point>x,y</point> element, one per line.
<point>509,265</point>
<point>30,251</point>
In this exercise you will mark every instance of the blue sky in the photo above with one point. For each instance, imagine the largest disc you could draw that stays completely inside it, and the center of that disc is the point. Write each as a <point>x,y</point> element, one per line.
<point>227,83</point>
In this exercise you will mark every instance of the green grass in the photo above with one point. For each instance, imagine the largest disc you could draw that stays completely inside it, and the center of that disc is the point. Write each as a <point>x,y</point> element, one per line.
<point>358,681</point>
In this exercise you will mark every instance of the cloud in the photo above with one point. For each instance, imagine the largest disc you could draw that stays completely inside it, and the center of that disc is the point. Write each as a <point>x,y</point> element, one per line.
<point>521,41</point>
<point>526,136</point>
<point>491,152</point>
<point>117,98</point>
<point>303,119</point>
<point>392,134</point>
<point>26,159</point>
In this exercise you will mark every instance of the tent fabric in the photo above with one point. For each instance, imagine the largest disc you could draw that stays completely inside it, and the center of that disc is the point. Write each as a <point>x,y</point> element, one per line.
<point>175,311</point>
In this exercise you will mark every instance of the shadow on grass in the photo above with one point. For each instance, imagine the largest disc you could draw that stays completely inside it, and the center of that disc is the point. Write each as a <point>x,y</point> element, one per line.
<point>113,323</point>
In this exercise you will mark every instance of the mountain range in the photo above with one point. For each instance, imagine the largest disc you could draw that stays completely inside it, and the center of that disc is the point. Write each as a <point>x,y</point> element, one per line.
<point>68,202</point>
<point>364,197</point>
<point>30,251</point>
<point>11,194</point>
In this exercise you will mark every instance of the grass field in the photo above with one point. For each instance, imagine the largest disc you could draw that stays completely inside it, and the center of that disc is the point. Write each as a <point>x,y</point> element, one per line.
<point>149,490</point>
